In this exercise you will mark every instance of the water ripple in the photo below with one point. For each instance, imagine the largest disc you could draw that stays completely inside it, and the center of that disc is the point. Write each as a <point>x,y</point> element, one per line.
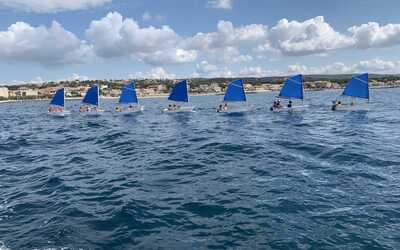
<point>305,180</point>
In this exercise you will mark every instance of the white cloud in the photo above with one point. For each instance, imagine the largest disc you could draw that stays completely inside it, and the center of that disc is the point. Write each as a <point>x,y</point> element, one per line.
<point>205,69</point>
<point>113,36</point>
<point>224,45</point>
<point>146,16</point>
<point>316,36</point>
<point>22,42</point>
<point>51,6</point>
<point>76,77</point>
<point>220,4</point>
<point>155,73</point>
<point>171,56</point>
<point>312,36</point>
<point>259,72</point>
<point>371,66</point>
<point>372,35</point>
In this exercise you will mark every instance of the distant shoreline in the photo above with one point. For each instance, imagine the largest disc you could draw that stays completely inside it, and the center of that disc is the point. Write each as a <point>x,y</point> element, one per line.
<point>205,94</point>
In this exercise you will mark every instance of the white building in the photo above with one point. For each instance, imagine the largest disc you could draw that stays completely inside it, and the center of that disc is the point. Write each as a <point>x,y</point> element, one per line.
<point>26,92</point>
<point>3,93</point>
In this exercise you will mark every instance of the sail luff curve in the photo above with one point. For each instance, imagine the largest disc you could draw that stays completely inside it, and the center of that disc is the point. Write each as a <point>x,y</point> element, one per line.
<point>358,87</point>
<point>58,98</point>
<point>92,96</point>
<point>128,94</point>
<point>293,88</point>
<point>180,92</point>
<point>235,92</point>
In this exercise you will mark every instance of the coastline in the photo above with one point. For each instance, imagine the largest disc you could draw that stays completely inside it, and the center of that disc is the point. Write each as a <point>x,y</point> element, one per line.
<point>191,94</point>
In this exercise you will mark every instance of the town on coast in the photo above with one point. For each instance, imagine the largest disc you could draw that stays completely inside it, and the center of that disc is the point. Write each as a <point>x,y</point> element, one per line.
<point>76,89</point>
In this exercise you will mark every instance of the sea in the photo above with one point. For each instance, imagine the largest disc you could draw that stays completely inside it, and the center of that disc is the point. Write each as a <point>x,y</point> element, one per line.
<point>314,179</point>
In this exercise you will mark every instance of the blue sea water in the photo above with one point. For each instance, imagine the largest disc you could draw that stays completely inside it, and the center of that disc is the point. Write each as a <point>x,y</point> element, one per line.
<point>307,180</point>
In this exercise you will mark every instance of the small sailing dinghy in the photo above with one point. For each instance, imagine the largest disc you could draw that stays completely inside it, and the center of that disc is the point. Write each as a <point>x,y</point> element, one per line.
<point>356,88</point>
<point>57,104</point>
<point>91,105</point>
<point>293,88</point>
<point>128,101</point>
<point>179,95</point>
<point>234,99</point>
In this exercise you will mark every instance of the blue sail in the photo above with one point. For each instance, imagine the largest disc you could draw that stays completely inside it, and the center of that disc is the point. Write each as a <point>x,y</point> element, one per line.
<point>128,94</point>
<point>357,87</point>
<point>180,92</point>
<point>293,88</point>
<point>58,98</point>
<point>235,92</point>
<point>92,96</point>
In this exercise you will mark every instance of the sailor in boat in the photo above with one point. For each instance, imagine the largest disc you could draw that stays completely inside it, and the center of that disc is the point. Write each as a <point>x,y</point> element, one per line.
<point>57,102</point>
<point>292,89</point>
<point>276,105</point>
<point>336,105</point>
<point>83,109</point>
<point>56,109</point>
<point>179,94</point>
<point>222,107</point>
<point>236,97</point>
<point>357,87</point>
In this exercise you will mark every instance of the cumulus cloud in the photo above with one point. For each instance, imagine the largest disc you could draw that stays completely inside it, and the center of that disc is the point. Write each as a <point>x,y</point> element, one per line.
<point>257,72</point>
<point>316,36</point>
<point>51,6</point>
<point>372,66</point>
<point>155,73</point>
<point>113,36</point>
<point>205,69</point>
<point>22,42</point>
<point>146,16</point>
<point>208,70</point>
<point>75,77</point>
<point>224,44</point>
<point>312,36</point>
<point>372,35</point>
<point>220,4</point>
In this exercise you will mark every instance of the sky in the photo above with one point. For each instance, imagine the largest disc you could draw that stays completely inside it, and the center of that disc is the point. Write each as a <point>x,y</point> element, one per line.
<point>53,40</point>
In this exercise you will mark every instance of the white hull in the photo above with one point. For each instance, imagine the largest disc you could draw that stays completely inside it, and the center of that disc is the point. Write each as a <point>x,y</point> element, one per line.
<point>235,110</point>
<point>298,108</point>
<point>59,114</point>
<point>347,107</point>
<point>134,111</point>
<point>179,110</point>
<point>93,113</point>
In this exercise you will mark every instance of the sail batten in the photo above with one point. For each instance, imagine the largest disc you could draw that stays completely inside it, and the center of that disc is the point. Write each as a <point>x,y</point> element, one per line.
<point>180,92</point>
<point>128,94</point>
<point>235,92</point>
<point>58,98</point>
<point>92,96</point>
<point>293,88</point>
<point>358,87</point>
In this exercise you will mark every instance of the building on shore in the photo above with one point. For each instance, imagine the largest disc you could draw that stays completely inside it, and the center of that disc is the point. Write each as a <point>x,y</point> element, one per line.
<point>4,93</point>
<point>25,93</point>
<point>47,92</point>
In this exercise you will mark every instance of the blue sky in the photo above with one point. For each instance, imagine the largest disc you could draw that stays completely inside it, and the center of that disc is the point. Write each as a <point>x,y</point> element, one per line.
<point>43,40</point>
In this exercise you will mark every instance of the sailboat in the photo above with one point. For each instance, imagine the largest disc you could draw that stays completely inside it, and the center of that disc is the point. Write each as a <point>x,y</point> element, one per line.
<point>179,95</point>
<point>235,96</point>
<point>128,101</point>
<point>356,88</point>
<point>91,105</point>
<point>57,104</point>
<point>293,88</point>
